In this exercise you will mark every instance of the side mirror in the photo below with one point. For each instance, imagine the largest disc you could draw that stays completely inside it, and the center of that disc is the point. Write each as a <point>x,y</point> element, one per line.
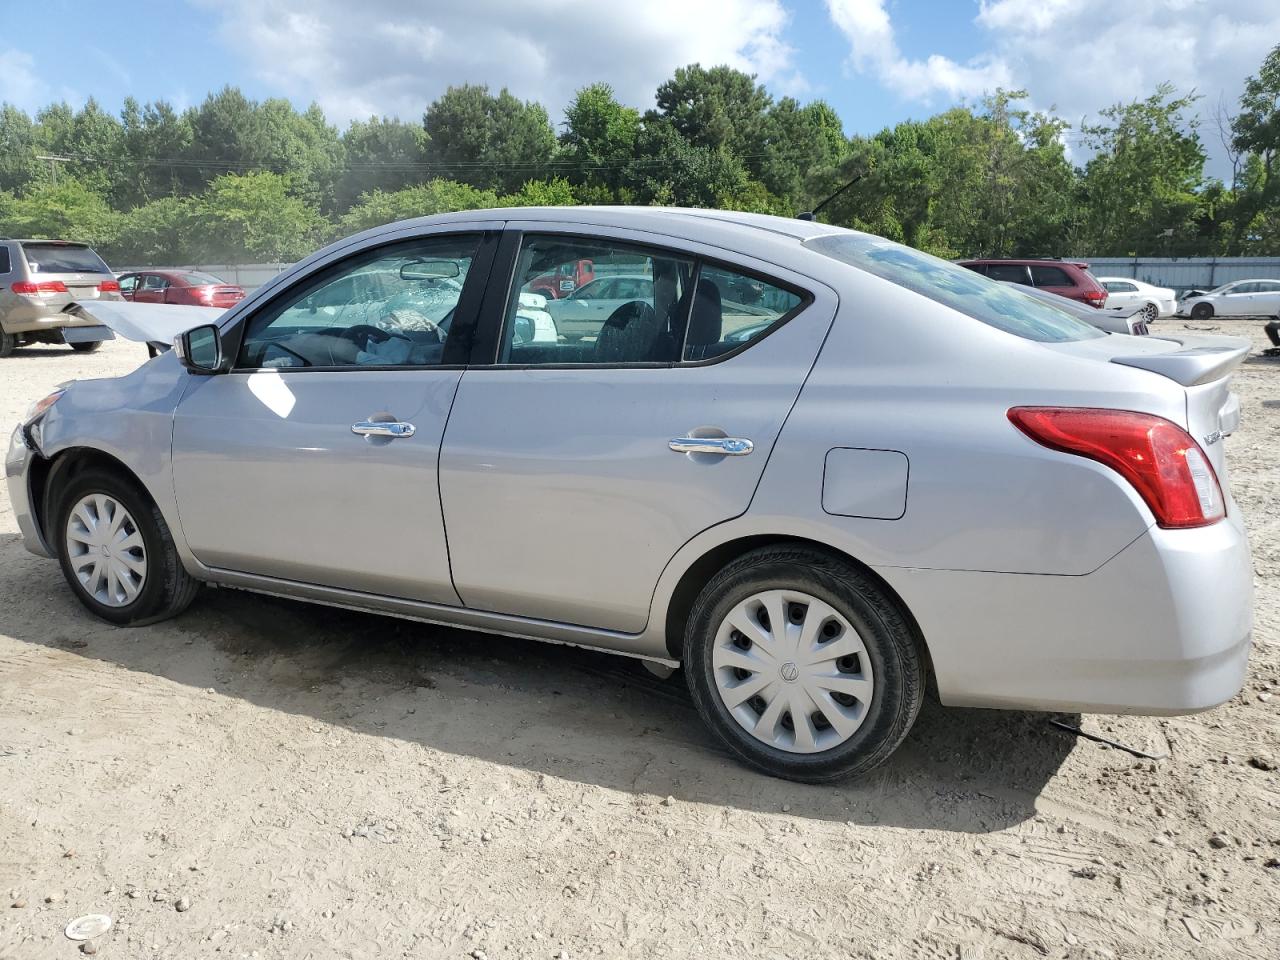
<point>200,349</point>
<point>522,331</point>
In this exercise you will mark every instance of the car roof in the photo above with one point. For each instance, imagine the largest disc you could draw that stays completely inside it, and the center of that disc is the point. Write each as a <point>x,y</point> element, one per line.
<point>637,218</point>
<point>60,243</point>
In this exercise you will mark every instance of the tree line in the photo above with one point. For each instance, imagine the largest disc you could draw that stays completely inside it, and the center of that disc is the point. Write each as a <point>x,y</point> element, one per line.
<point>237,180</point>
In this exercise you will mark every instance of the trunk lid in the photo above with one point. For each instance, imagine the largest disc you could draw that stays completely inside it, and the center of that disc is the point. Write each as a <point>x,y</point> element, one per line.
<point>1201,364</point>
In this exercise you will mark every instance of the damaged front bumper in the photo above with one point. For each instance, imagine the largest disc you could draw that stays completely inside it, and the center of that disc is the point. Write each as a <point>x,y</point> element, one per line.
<point>19,460</point>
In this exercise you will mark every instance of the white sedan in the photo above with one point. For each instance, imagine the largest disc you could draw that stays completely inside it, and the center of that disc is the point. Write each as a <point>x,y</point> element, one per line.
<point>1241,298</point>
<point>1153,302</point>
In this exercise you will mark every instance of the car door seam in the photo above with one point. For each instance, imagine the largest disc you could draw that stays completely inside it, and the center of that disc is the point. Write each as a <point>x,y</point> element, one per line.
<point>444,520</point>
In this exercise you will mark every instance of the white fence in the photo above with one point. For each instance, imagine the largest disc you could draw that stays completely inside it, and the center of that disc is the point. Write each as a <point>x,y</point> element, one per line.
<point>1186,273</point>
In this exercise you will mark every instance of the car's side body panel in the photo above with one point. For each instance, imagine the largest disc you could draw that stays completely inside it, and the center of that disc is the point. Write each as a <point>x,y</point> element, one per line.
<point>562,497</point>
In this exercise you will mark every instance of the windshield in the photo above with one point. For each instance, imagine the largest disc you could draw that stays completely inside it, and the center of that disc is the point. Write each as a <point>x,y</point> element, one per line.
<point>995,304</point>
<point>62,258</point>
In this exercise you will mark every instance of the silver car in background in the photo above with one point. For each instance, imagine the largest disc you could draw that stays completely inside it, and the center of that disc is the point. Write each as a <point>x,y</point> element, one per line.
<point>890,471</point>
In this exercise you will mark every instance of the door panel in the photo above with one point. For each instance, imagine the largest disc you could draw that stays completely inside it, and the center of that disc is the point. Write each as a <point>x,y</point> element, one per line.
<point>271,480</point>
<point>562,496</point>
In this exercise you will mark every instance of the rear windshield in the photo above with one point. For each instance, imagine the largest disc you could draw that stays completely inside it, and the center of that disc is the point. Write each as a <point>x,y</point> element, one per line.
<point>196,279</point>
<point>62,258</point>
<point>995,304</point>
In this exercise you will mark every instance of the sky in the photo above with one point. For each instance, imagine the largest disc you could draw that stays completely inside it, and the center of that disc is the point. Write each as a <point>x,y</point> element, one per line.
<point>876,61</point>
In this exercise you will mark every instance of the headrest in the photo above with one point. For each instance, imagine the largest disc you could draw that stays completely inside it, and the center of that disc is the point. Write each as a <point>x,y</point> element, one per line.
<point>707,317</point>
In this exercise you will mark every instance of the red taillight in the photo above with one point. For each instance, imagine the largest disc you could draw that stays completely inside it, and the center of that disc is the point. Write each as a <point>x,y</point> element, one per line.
<point>109,286</point>
<point>1158,457</point>
<point>1095,298</point>
<point>29,289</point>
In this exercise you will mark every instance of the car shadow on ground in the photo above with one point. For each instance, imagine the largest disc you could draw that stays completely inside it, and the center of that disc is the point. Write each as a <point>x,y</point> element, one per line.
<point>569,713</point>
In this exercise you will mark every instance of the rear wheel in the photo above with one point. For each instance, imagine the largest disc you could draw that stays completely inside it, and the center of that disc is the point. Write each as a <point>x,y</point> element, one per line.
<point>117,553</point>
<point>86,347</point>
<point>1202,311</point>
<point>803,665</point>
<point>1150,312</point>
<point>8,343</point>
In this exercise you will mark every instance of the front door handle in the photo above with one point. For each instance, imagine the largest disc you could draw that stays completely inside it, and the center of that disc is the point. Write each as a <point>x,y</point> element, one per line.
<point>724,446</point>
<point>375,428</point>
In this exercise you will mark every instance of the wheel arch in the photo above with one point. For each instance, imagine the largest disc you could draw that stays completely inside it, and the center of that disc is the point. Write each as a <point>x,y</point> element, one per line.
<point>701,570</point>
<point>48,477</point>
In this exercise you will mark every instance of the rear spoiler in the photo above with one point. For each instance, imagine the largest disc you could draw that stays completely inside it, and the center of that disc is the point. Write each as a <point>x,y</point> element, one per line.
<point>1198,359</point>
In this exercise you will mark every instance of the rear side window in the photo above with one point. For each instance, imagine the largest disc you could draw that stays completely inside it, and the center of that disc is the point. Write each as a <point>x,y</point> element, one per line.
<point>5,264</point>
<point>62,258</point>
<point>731,310</point>
<point>963,290</point>
<point>1043,276</point>
<point>1007,272</point>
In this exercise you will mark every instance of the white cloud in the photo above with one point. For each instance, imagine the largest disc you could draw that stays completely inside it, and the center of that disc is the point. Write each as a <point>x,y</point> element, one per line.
<point>866,25</point>
<point>22,85</point>
<point>396,56</point>
<point>1079,56</point>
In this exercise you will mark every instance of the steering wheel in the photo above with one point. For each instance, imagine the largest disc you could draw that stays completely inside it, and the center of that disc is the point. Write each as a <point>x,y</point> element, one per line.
<point>362,334</point>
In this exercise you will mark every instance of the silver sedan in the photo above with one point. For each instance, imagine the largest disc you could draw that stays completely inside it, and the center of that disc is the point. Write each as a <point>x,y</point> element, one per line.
<point>817,470</point>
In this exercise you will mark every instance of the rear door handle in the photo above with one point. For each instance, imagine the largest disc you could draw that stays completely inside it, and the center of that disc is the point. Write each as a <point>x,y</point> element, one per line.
<point>724,446</point>
<point>374,428</point>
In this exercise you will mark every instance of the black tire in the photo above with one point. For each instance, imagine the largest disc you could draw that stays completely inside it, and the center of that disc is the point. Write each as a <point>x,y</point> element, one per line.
<point>1202,312</point>
<point>885,630</point>
<point>86,347</point>
<point>167,588</point>
<point>8,343</point>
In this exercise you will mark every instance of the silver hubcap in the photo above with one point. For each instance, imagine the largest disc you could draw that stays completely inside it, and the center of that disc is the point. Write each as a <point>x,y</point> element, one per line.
<point>792,671</point>
<point>106,552</point>
<point>1150,312</point>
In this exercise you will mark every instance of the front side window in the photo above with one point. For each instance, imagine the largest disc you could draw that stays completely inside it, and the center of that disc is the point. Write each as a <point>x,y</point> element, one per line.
<point>994,304</point>
<point>392,306</point>
<point>633,312</point>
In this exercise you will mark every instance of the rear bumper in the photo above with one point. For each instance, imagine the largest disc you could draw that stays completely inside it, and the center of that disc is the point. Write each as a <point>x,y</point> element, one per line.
<point>1164,627</point>
<point>42,318</point>
<point>17,471</point>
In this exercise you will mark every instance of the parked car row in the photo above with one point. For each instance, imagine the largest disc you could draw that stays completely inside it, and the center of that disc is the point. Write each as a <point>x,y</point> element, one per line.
<point>1240,298</point>
<point>40,280</point>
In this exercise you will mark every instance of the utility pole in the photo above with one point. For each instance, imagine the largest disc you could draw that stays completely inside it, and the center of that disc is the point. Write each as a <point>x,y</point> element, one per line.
<point>53,164</point>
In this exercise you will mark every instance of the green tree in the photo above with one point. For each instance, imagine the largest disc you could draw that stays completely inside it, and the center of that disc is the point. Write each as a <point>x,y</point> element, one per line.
<point>1256,134</point>
<point>719,108</point>
<point>491,142</point>
<point>1142,180</point>
<point>67,210</point>
<point>159,233</point>
<point>436,196</point>
<point>381,154</point>
<point>542,193</point>
<point>599,139</point>
<point>18,163</point>
<point>254,217</point>
<point>154,140</point>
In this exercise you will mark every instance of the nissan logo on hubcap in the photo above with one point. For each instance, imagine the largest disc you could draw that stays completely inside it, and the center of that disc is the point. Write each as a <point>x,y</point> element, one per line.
<point>790,671</point>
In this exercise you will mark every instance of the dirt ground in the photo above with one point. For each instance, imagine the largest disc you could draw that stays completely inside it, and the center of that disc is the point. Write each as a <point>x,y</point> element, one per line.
<point>267,779</point>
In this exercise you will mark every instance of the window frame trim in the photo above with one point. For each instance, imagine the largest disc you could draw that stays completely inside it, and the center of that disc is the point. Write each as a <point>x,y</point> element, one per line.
<point>509,262</point>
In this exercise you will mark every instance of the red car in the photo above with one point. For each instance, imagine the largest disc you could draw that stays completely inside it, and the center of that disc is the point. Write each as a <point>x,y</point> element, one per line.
<point>1066,278</point>
<point>188,287</point>
<point>562,281</point>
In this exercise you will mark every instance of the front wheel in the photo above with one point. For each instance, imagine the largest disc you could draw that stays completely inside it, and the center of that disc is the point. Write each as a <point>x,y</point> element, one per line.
<point>1202,311</point>
<point>803,665</point>
<point>117,553</point>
